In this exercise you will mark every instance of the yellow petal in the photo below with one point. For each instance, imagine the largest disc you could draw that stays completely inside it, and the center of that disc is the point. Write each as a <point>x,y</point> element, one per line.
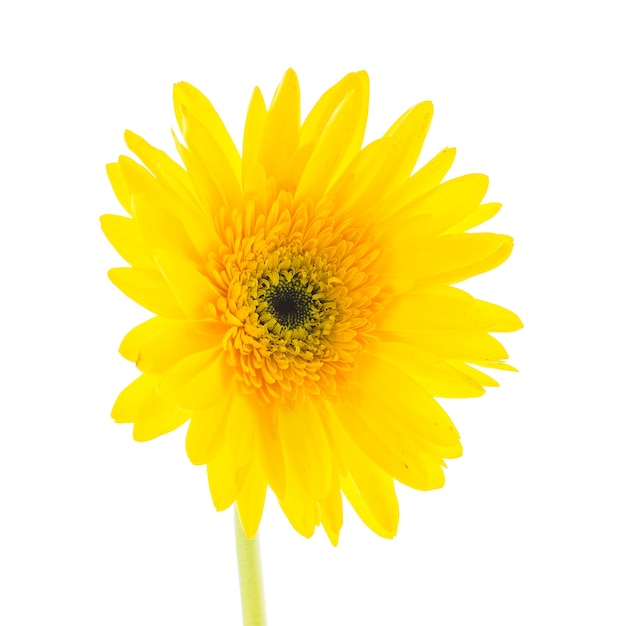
<point>132,397</point>
<point>126,238</point>
<point>480,377</point>
<point>362,510</point>
<point>386,163</point>
<point>331,511</point>
<point>156,418</point>
<point>495,365</point>
<point>306,448</point>
<point>172,386</point>
<point>172,342</point>
<point>438,377</point>
<point>384,443</point>
<point>377,492</point>
<point>148,288</point>
<point>187,96</point>
<point>443,309</point>
<point>241,427</point>
<point>137,179</point>
<point>206,388</point>
<point>119,186</point>
<point>205,435</point>
<point>282,126</point>
<point>252,137</point>
<point>425,179</point>
<point>271,454</point>
<point>505,321</point>
<point>352,188</point>
<point>160,229</point>
<point>406,434</point>
<point>193,291</point>
<point>300,508</point>
<point>369,489</point>
<point>211,158</point>
<point>134,339</point>
<point>407,134</point>
<point>317,120</point>
<point>210,194</point>
<point>187,228</point>
<point>480,214</point>
<point>452,258</point>
<point>224,481</point>
<point>251,499</point>
<point>329,151</point>
<point>446,204</point>
<point>464,346</point>
<point>167,171</point>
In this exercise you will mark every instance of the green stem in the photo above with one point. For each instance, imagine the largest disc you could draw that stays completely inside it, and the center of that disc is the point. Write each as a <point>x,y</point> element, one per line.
<point>250,576</point>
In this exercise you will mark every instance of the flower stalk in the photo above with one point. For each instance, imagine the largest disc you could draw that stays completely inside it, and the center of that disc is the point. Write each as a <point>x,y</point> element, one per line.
<point>250,576</point>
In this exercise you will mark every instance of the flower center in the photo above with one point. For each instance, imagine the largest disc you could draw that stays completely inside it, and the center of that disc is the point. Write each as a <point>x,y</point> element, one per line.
<point>299,298</point>
<point>291,303</point>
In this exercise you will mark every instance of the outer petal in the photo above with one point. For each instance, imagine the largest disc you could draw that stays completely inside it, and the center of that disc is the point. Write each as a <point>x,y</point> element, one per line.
<point>281,131</point>
<point>450,259</point>
<point>271,454</point>
<point>159,228</point>
<point>331,511</point>
<point>148,288</point>
<point>330,150</point>
<point>406,434</point>
<point>191,225</point>
<point>172,342</point>
<point>425,179</point>
<point>193,291</point>
<point>214,164</point>
<point>132,398</point>
<point>178,386</point>
<point>436,376</point>
<point>462,346</point>
<point>156,418</point>
<point>326,107</point>
<point>442,309</point>
<point>251,499</point>
<point>126,238</point>
<point>167,171</point>
<point>369,489</point>
<point>445,205</point>
<point>139,403</point>
<point>253,174</point>
<point>224,480</point>
<point>307,453</point>
<point>118,184</point>
<point>206,432</point>
<point>480,214</point>
<point>241,428</point>
<point>188,97</point>
<point>135,338</point>
<point>352,188</point>
<point>408,134</point>
<point>206,388</point>
<point>301,510</point>
<point>136,180</point>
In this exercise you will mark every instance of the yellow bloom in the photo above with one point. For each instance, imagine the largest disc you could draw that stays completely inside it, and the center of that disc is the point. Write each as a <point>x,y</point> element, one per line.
<point>305,318</point>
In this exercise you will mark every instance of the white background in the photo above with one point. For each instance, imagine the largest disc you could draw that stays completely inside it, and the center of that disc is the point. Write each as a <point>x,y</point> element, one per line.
<point>96,529</point>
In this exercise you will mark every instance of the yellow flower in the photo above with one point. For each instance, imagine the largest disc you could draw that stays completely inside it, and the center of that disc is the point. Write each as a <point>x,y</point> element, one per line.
<point>305,318</point>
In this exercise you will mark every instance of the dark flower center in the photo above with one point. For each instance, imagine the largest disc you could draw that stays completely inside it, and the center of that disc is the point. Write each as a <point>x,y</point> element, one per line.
<point>290,303</point>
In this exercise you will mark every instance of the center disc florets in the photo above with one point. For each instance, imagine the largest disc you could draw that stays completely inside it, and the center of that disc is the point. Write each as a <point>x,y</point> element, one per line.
<point>290,303</point>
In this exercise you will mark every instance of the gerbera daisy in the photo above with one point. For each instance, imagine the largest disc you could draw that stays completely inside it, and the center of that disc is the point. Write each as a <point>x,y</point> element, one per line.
<point>305,318</point>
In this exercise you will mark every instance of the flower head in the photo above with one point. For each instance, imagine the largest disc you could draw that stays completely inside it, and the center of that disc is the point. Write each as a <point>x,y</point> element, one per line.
<point>304,314</point>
